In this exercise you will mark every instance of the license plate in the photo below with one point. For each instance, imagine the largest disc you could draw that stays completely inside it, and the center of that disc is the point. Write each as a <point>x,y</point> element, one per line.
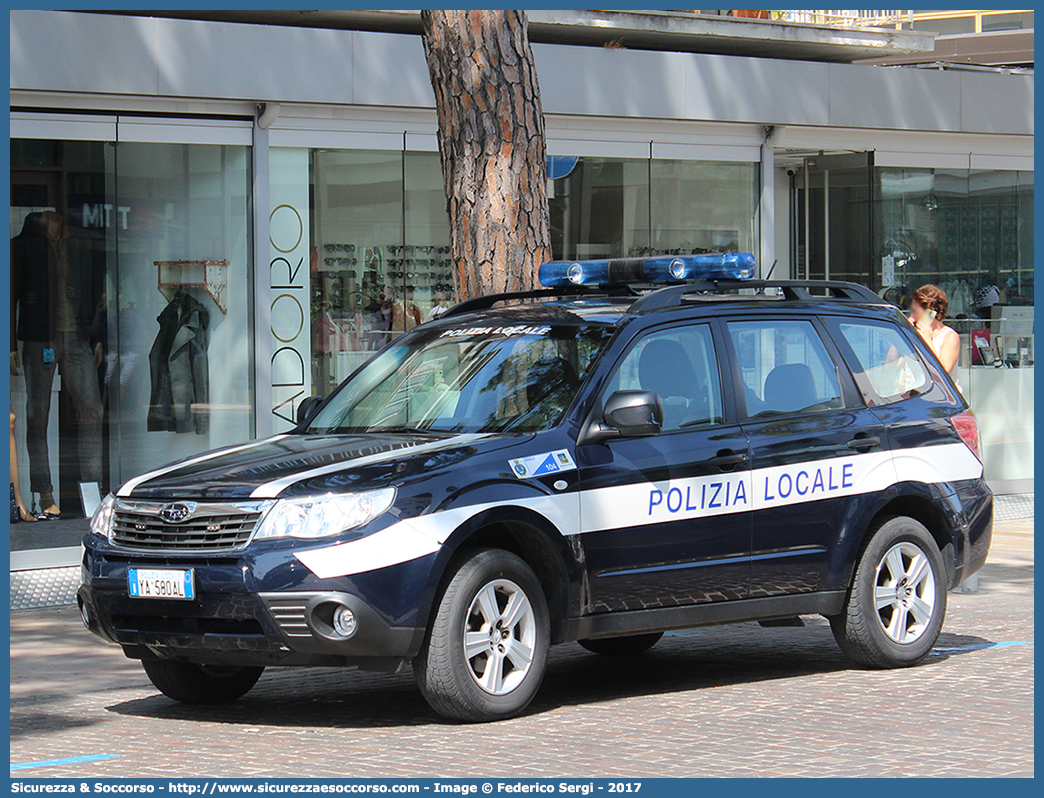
<point>161,584</point>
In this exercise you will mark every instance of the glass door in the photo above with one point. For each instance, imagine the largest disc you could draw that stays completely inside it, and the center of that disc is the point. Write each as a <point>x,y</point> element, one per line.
<point>180,375</point>
<point>834,221</point>
<point>131,326</point>
<point>63,220</point>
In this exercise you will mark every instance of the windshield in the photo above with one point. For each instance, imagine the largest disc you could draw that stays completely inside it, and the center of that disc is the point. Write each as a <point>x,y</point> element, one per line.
<point>518,378</point>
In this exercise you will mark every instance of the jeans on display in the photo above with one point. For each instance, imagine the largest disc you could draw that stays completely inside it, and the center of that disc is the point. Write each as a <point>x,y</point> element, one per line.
<point>74,361</point>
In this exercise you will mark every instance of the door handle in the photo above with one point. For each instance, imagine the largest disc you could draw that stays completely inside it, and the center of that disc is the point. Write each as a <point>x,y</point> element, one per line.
<point>864,442</point>
<point>727,460</point>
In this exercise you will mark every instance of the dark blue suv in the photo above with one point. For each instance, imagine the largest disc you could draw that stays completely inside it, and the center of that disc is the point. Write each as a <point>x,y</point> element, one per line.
<point>599,465</point>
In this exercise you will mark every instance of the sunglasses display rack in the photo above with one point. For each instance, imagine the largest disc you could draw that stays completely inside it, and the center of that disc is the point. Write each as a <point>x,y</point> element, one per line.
<point>359,276</point>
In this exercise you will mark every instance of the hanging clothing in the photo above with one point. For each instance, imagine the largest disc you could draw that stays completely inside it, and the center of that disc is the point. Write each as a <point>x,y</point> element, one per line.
<point>179,368</point>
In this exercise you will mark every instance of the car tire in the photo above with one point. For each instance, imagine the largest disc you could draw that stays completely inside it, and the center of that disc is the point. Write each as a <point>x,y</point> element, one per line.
<point>491,608</point>
<point>622,646</point>
<point>190,683</point>
<point>896,604</point>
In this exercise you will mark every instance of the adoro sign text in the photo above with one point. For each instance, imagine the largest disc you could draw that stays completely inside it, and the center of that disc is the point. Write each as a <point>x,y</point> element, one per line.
<point>290,245</point>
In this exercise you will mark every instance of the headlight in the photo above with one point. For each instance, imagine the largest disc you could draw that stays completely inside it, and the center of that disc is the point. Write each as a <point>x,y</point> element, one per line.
<point>322,516</point>
<point>101,521</point>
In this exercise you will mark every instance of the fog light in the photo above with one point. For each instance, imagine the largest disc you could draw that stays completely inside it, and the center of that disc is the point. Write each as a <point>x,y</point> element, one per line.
<point>344,622</point>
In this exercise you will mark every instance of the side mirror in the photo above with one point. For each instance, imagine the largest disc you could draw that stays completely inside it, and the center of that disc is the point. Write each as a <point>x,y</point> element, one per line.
<point>634,413</point>
<point>307,409</point>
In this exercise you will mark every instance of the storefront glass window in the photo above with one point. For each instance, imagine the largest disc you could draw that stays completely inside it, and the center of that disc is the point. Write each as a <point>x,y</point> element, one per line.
<point>967,229</point>
<point>971,233</point>
<point>129,267</point>
<point>426,268</point>
<point>181,318</point>
<point>599,207</point>
<point>356,287</point>
<point>63,238</point>
<point>381,262</point>
<point>380,248</point>
<point>703,206</point>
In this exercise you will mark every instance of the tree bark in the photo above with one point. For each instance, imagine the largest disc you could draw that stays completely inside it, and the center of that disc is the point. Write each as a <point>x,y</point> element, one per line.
<point>491,143</point>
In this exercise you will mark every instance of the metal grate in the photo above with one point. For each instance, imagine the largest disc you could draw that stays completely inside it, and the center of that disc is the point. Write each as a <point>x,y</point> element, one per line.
<point>289,614</point>
<point>44,587</point>
<point>1012,506</point>
<point>207,527</point>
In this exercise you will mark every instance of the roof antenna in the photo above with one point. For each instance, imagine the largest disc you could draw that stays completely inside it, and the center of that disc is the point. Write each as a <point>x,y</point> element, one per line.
<point>772,268</point>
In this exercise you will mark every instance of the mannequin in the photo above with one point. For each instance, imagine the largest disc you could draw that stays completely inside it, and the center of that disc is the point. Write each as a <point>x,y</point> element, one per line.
<point>50,314</point>
<point>23,511</point>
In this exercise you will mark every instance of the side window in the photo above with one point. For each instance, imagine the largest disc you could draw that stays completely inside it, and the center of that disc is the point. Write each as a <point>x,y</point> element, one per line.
<point>681,366</point>
<point>785,367</point>
<point>890,367</point>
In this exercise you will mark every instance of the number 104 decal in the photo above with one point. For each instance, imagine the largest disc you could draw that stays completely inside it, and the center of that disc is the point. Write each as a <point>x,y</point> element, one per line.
<point>537,465</point>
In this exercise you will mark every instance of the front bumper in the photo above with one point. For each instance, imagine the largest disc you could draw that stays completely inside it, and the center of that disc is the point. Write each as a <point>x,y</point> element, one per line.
<point>257,608</point>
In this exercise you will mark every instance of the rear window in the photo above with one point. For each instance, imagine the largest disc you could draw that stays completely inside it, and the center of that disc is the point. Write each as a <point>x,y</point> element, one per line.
<point>887,367</point>
<point>785,368</point>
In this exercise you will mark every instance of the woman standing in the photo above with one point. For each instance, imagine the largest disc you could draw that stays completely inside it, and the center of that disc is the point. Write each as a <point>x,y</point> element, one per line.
<point>928,309</point>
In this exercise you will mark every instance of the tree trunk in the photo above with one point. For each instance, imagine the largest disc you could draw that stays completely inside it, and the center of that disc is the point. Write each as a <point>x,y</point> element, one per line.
<point>491,142</point>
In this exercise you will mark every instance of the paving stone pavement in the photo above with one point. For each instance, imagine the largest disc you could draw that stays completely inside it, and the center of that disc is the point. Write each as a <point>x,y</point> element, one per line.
<point>724,701</point>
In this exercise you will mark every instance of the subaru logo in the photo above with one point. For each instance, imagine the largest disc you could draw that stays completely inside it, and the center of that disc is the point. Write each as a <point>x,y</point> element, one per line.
<point>177,512</point>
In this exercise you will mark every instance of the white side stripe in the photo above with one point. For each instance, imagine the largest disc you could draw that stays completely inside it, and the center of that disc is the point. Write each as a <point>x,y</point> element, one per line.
<point>646,503</point>
<point>948,462</point>
<point>272,489</point>
<point>131,484</point>
<point>422,535</point>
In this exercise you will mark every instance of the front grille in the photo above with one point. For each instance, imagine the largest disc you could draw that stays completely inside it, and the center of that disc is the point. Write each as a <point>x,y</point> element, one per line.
<point>209,527</point>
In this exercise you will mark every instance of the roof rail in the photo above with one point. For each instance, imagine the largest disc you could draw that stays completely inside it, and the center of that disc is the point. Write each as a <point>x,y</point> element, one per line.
<point>794,290</point>
<point>489,300</point>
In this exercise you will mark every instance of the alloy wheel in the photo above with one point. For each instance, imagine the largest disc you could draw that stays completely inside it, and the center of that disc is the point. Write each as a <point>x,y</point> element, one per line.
<point>904,592</point>
<point>499,637</point>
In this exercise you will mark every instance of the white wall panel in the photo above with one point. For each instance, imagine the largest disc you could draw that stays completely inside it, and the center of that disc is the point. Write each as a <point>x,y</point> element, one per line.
<point>598,149</point>
<point>921,160</point>
<point>608,82</point>
<point>422,142</point>
<point>184,131</point>
<point>894,97</point>
<point>334,139</point>
<point>996,103</point>
<point>191,60</point>
<point>860,139</point>
<point>258,62</point>
<point>70,127</point>
<point>706,152</point>
<point>54,51</point>
<point>389,69</point>
<point>756,90</point>
<point>990,161</point>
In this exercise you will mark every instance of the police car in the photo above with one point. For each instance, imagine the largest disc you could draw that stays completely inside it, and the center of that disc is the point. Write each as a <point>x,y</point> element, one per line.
<point>593,462</point>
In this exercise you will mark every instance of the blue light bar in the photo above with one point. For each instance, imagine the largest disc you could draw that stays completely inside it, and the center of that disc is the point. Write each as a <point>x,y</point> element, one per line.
<point>661,269</point>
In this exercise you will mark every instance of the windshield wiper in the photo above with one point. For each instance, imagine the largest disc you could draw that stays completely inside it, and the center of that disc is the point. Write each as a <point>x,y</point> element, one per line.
<point>377,431</point>
<point>416,431</point>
